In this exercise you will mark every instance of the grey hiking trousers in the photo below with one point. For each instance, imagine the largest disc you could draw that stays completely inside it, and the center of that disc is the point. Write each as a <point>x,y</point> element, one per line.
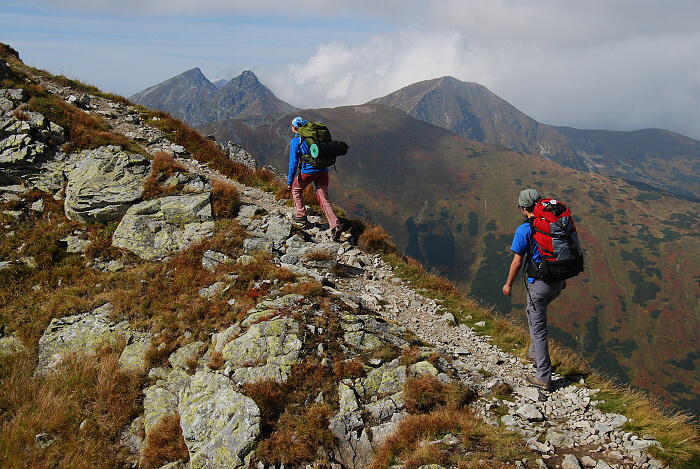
<point>539,294</point>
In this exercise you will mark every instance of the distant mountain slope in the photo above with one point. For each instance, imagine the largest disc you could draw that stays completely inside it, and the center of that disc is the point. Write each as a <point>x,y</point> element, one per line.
<point>192,98</point>
<point>449,202</point>
<point>467,109</point>
<point>656,157</point>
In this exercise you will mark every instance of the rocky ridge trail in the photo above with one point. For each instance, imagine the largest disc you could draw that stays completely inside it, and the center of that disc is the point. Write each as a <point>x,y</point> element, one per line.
<point>564,426</point>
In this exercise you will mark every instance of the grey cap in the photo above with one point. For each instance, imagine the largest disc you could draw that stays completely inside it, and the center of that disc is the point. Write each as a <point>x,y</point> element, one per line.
<point>528,198</point>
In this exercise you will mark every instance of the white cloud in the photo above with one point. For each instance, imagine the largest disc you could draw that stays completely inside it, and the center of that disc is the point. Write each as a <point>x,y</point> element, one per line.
<point>563,23</point>
<point>620,66</point>
<point>339,74</point>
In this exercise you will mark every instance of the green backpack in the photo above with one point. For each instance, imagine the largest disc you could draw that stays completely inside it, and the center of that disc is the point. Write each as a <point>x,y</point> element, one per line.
<point>323,150</point>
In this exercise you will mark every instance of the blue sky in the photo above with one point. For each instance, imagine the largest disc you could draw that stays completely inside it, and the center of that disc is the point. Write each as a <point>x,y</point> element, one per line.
<point>601,64</point>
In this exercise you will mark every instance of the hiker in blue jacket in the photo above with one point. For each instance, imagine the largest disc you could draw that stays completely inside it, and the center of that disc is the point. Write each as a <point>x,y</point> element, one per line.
<point>539,292</point>
<point>301,174</point>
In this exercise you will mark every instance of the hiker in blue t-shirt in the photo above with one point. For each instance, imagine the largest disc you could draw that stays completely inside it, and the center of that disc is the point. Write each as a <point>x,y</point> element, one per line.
<point>301,174</point>
<point>539,292</point>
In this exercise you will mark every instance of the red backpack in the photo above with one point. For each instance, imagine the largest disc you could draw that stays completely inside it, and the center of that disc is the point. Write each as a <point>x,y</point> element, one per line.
<point>554,232</point>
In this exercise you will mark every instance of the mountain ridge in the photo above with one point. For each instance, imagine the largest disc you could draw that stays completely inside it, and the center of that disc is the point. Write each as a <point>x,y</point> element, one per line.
<point>190,96</point>
<point>656,157</point>
<point>471,110</point>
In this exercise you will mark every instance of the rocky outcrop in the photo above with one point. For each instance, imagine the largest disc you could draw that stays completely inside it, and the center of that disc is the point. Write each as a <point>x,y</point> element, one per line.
<point>27,139</point>
<point>155,229</point>
<point>220,425</point>
<point>87,333</point>
<point>4,70</point>
<point>264,346</point>
<point>274,343</point>
<point>239,154</point>
<point>10,345</point>
<point>104,183</point>
<point>369,410</point>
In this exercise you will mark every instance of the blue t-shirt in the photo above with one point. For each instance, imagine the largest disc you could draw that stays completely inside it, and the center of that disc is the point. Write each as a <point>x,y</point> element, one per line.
<point>297,148</point>
<point>523,243</point>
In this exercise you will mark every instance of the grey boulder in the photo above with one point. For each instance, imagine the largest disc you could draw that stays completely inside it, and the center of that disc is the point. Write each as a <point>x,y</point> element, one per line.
<point>104,183</point>
<point>155,229</point>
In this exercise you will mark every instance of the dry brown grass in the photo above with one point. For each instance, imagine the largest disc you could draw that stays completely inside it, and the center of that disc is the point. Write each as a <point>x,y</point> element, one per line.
<point>409,355</point>
<point>677,431</point>
<point>163,167</point>
<point>60,285</point>
<point>100,247</point>
<point>416,443</point>
<point>350,368</point>
<point>298,437</point>
<point>216,360</point>
<point>20,115</point>
<point>168,297</point>
<point>376,240</point>
<point>225,199</point>
<point>85,131</point>
<point>261,268</point>
<point>228,237</point>
<point>83,406</point>
<point>292,430</point>
<point>270,398</point>
<point>164,444</point>
<point>206,151</point>
<point>318,255</point>
<point>36,234</point>
<point>436,285</point>
<point>424,394</point>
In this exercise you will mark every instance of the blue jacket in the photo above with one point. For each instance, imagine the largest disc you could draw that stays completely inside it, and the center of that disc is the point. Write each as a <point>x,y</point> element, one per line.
<point>297,148</point>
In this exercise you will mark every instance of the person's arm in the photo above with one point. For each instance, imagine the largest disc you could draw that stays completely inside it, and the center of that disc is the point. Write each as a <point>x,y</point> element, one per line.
<point>293,160</point>
<point>515,266</point>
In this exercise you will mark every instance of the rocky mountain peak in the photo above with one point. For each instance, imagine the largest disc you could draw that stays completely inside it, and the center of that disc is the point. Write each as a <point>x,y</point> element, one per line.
<point>247,88</point>
<point>190,96</point>
<point>196,78</point>
<point>247,75</point>
<point>473,111</point>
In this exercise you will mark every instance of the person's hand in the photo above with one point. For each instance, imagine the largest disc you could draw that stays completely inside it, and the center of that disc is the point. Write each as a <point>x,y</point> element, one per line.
<point>507,289</point>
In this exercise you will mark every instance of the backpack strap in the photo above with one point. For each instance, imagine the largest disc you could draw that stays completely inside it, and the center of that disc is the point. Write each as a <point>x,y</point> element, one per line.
<point>530,269</point>
<point>304,158</point>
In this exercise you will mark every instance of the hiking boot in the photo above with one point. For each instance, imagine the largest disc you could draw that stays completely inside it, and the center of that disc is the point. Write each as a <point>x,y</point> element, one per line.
<point>530,359</point>
<point>539,384</point>
<point>303,221</point>
<point>339,233</point>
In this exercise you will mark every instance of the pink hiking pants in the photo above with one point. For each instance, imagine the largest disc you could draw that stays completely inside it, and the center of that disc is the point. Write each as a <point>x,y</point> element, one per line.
<point>320,181</point>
